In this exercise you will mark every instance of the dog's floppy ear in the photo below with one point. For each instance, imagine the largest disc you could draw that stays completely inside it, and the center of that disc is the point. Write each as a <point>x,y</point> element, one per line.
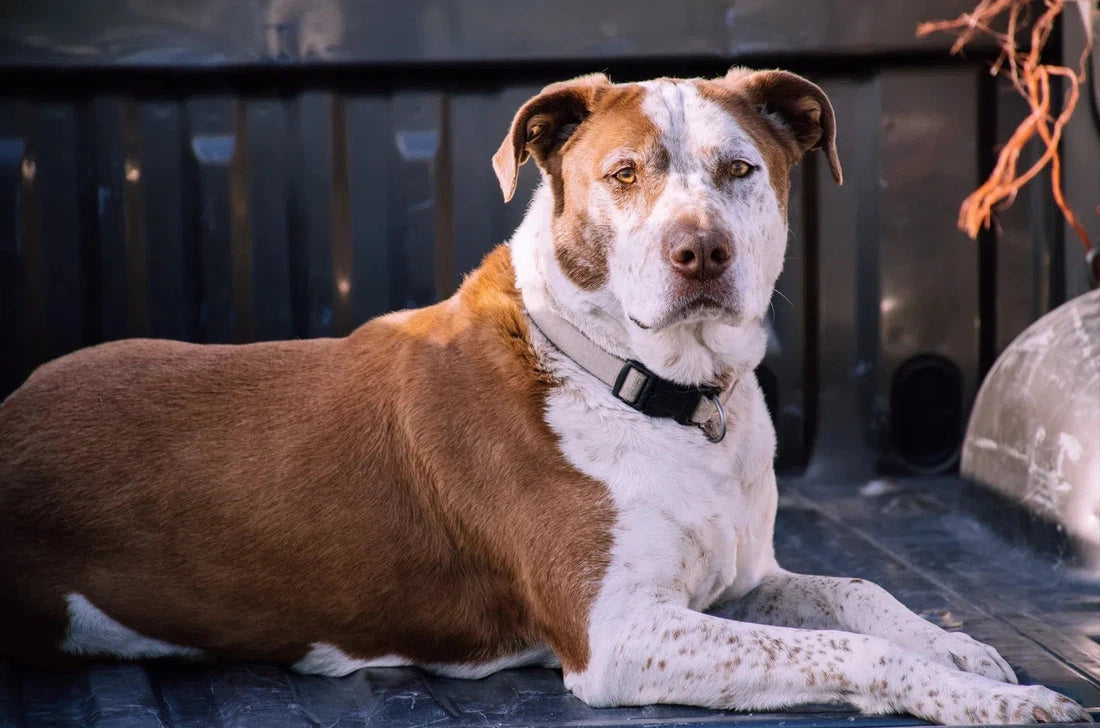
<point>543,124</point>
<point>792,105</point>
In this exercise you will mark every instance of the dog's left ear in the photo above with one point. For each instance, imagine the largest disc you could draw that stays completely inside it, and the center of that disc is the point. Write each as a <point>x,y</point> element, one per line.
<point>543,125</point>
<point>794,105</point>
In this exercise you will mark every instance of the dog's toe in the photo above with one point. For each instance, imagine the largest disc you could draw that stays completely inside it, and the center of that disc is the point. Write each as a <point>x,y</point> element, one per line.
<point>970,655</point>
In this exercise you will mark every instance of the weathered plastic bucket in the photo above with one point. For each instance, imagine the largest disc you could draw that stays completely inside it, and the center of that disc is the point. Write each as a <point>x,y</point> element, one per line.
<point>1034,433</point>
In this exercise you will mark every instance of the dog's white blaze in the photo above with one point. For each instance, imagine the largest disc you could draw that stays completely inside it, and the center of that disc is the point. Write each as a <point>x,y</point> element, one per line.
<point>330,660</point>
<point>694,519</point>
<point>91,632</point>
<point>698,135</point>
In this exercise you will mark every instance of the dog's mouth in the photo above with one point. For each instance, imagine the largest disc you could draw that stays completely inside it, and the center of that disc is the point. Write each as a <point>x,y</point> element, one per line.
<point>700,307</point>
<point>703,303</point>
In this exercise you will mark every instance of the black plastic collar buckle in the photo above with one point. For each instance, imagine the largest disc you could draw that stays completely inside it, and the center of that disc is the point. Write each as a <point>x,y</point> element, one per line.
<point>659,397</point>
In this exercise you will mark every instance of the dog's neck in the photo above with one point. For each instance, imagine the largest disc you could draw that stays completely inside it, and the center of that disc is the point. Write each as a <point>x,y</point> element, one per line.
<point>695,353</point>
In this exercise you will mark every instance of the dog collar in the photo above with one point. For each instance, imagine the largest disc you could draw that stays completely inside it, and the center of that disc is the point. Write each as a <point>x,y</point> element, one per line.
<point>634,384</point>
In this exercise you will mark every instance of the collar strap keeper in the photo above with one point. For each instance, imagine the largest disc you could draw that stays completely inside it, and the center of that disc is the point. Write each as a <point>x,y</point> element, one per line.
<point>651,395</point>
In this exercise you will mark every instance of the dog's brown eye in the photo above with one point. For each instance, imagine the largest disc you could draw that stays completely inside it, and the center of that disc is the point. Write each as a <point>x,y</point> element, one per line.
<point>739,168</point>
<point>626,175</point>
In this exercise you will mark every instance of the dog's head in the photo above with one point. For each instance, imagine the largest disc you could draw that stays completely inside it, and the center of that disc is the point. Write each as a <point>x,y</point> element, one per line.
<point>671,195</point>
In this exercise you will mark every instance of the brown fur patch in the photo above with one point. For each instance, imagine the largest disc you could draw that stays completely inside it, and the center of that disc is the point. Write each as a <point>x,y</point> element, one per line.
<point>393,492</point>
<point>617,122</point>
<point>581,249</point>
<point>570,128</point>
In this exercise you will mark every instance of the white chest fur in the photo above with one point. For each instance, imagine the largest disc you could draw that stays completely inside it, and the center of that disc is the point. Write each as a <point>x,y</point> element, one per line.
<point>694,518</point>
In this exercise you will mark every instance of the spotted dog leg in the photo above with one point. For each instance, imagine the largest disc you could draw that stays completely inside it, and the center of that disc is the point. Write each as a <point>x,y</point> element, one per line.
<point>855,605</point>
<point>670,654</point>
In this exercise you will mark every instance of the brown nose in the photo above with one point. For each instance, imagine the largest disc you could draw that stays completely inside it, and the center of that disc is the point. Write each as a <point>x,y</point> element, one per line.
<point>699,253</point>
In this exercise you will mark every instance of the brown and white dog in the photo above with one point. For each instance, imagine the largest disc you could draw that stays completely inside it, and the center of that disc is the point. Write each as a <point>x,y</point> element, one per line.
<point>446,488</point>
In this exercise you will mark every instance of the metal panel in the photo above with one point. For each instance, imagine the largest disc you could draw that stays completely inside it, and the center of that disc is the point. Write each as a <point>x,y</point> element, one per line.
<point>133,200</point>
<point>109,278</point>
<point>12,145</point>
<point>204,33</point>
<point>340,212</point>
<point>848,286</point>
<point>267,194</point>
<point>31,281</point>
<point>211,131</point>
<point>57,178</point>
<point>786,355</point>
<point>418,119</point>
<point>309,131</point>
<point>762,27</point>
<point>929,269</point>
<point>369,141</point>
<point>165,176</point>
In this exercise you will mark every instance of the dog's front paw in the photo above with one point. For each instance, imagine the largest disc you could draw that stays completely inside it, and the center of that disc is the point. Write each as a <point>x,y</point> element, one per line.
<point>961,651</point>
<point>971,700</point>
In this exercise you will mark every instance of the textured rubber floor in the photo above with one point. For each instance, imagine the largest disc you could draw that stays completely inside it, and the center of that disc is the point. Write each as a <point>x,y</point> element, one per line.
<point>914,539</point>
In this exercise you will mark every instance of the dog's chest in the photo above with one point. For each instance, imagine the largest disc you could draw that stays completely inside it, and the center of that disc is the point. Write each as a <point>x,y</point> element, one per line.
<point>694,518</point>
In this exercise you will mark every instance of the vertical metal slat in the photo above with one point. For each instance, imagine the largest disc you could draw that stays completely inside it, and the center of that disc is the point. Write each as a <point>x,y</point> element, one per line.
<point>369,141</point>
<point>416,140</point>
<point>309,207</point>
<point>169,216</point>
<point>267,141</point>
<point>213,121</point>
<point>133,201</point>
<point>58,200</point>
<point>12,149</point>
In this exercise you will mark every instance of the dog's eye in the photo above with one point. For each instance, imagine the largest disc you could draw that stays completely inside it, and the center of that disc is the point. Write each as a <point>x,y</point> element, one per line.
<point>533,132</point>
<point>739,168</point>
<point>626,175</point>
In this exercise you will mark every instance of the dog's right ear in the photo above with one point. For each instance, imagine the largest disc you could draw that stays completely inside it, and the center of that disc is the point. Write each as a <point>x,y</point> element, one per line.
<point>544,124</point>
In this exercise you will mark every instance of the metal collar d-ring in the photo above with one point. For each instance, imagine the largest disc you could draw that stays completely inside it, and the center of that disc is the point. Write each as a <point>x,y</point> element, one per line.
<point>721,412</point>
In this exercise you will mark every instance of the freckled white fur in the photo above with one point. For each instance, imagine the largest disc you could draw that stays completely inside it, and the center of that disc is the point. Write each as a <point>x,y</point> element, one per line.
<point>698,134</point>
<point>91,632</point>
<point>329,660</point>
<point>695,519</point>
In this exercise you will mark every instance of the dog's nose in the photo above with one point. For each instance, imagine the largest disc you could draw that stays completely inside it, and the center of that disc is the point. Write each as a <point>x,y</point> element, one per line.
<point>699,253</point>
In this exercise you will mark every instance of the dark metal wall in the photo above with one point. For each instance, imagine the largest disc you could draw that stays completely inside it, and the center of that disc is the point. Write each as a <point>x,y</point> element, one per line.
<point>230,172</point>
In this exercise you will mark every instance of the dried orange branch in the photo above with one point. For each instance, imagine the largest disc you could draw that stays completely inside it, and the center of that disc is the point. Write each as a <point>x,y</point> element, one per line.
<point>1032,79</point>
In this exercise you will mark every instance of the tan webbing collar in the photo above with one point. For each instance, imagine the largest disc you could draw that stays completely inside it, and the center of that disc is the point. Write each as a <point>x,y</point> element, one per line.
<point>634,384</point>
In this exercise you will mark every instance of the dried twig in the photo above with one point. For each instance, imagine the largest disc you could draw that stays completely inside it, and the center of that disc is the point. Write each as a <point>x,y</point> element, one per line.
<point>1032,79</point>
